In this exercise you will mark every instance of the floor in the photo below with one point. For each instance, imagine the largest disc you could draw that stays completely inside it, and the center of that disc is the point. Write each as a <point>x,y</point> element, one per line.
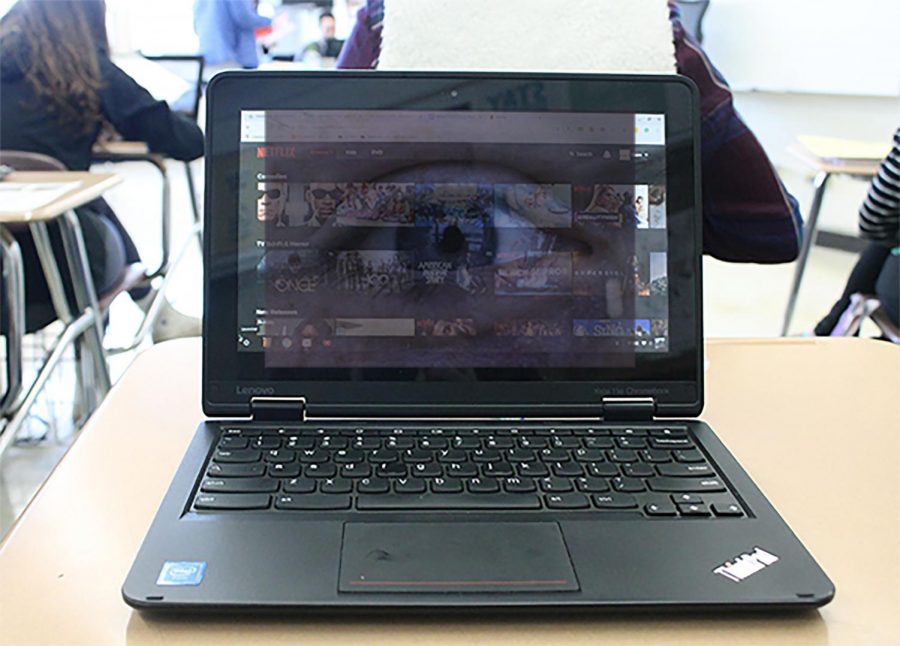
<point>740,300</point>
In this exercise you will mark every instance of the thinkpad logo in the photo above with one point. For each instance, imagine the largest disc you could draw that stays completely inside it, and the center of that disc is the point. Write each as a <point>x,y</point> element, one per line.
<point>746,565</point>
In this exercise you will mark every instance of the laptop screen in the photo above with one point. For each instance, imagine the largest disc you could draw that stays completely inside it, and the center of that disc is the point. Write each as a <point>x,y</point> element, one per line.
<point>452,239</point>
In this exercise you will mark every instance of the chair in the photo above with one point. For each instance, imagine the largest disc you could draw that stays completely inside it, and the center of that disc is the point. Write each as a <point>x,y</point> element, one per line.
<point>692,12</point>
<point>864,306</point>
<point>14,406</point>
<point>190,68</point>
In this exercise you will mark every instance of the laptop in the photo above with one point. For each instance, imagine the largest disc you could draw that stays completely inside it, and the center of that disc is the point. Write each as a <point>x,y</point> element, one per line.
<point>453,356</point>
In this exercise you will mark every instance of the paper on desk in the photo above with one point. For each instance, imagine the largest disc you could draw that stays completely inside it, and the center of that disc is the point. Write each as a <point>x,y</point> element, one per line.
<point>21,197</point>
<point>835,149</point>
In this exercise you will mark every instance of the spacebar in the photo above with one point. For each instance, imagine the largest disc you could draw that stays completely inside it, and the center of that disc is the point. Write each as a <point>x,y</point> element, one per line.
<point>448,501</point>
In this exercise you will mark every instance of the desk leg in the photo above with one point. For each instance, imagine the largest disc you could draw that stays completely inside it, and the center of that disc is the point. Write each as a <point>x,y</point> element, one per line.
<point>809,235</point>
<point>85,295</point>
<point>14,297</point>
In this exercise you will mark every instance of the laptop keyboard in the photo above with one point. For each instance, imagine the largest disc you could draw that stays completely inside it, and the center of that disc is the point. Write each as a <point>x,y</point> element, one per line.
<point>652,471</point>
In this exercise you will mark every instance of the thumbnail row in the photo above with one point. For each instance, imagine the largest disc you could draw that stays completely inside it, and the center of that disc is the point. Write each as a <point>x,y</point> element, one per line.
<point>546,206</point>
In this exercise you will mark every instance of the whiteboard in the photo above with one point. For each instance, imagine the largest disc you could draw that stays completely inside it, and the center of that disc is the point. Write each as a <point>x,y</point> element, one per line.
<point>812,46</point>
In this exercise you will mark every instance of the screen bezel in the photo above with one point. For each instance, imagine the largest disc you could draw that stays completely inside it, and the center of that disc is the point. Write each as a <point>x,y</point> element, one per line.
<point>230,379</point>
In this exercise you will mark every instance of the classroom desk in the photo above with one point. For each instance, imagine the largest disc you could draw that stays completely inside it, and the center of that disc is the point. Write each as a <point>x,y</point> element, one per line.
<point>86,321</point>
<point>814,421</point>
<point>824,168</point>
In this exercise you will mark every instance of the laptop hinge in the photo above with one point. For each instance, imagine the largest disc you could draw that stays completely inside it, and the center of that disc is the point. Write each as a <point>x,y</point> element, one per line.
<point>629,409</point>
<point>278,409</point>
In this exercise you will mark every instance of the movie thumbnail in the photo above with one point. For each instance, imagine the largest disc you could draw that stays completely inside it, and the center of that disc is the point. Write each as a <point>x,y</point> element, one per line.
<point>375,205</point>
<point>530,328</point>
<point>542,206</point>
<point>292,271</point>
<point>533,274</point>
<point>374,327</point>
<point>374,272</point>
<point>452,204</point>
<point>626,328</point>
<point>445,327</point>
<point>657,201</point>
<point>612,205</point>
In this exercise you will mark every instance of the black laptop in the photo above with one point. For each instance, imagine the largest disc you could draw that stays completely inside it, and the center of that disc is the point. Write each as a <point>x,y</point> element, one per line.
<point>452,353</point>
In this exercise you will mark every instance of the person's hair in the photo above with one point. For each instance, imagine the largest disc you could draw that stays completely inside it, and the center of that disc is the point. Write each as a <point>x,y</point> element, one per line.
<point>56,45</point>
<point>324,15</point>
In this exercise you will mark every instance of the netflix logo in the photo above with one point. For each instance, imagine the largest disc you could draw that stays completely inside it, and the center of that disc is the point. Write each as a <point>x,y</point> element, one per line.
<point>276,152</point>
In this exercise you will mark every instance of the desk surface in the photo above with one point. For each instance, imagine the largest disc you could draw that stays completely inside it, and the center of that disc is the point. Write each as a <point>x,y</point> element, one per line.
<point>814,421</point>
<point>92,186</point>
<point>835,165</point>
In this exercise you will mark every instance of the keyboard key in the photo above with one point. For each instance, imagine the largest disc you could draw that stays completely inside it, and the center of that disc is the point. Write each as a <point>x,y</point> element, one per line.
<point>384,455</point>
<point>655,455</point>
<point>314,456</point>
<point>598,443</point>
<point>686,497</point>
<point>299,485</point>
<point>603,469</point>
<point>556,485</point>
<point>399,443</point>
<point>692,509</point>
<point>631,443</point>
<point>502,443</point>
<point>519,485</point>
<point>320,471</point>
<point>589,455</point>
<point>532,470</point>
<point>520,455</point>
<point>356,471</point>
<point>614,501</point>
<point>239,485</point>
<point>295,443</point>
<point>694,485</point>
<point>409,485</point>
<point>567,469</point>
<point>629,432</point>
<point>483,485</point>
<point>446,485</point>
<point>232,501</point>
<point>452,455</point>
<point>240,455</point>
<point>592,484</point>
<point>216,470</point>
<point>628,485</point>
<point>623,455</point>
<point>565,443</point>
<point>685,470</point>
<point>266,442</point>
<point>312,502</point>
<point>349,456</point>
<point>233,443</point>
<point>497,470</point>
<point>461,470</point>
<point>567,501</point>
<point>486,455</point>
<point>284,470</point>
<point>689,455</point>
<point>427,470</point>
<point>533,443</point>
<point>433,443</point>
<point>672,431</point>
<point>462,501</point>
<point>330,443</point>
<point>391,470</point>
<point>366,443</point>
<point>660,509</point>
<point>670,443</point>
<point>279,455</point>
<point>727,509</point>
<point>336,485</point>
<point>373,485</point>
<point>466,443</point>
<point>553,455</point>
<point>412,456</point>
<point>638,470</point>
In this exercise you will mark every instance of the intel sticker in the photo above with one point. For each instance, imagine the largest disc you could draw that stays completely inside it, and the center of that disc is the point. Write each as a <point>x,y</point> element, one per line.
<point>181,573</point>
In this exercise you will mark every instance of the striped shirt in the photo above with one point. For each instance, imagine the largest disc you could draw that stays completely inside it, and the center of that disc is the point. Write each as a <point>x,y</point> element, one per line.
<point>879,215</point>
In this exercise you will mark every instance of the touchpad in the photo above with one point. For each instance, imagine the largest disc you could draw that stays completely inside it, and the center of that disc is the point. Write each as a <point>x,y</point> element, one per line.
<point>455,557</point>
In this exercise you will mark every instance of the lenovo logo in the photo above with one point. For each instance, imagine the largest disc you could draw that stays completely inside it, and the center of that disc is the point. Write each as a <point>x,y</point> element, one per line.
<point>254,390</point>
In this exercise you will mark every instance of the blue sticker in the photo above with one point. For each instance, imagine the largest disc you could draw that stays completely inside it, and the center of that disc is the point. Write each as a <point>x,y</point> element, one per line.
<point>181,573</point>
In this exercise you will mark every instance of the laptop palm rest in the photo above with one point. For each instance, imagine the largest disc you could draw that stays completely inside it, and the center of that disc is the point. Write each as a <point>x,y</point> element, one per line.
<point>455,557</point>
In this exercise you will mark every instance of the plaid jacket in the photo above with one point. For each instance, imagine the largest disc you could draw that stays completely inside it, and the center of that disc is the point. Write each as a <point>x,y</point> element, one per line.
<point>748,215</point>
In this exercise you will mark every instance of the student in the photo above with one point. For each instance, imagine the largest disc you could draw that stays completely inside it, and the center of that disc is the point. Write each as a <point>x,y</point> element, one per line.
<point>878,269</point>
<point>748,216</point>
<point>327,46</point>
<point>59,90</point>
<point>227,32</point>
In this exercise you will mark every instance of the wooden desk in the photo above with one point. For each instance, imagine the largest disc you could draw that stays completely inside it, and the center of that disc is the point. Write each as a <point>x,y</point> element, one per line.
<point>91,186</point>
<point>814,421</point>
<point>824,168</point>
<point>86,321</point>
